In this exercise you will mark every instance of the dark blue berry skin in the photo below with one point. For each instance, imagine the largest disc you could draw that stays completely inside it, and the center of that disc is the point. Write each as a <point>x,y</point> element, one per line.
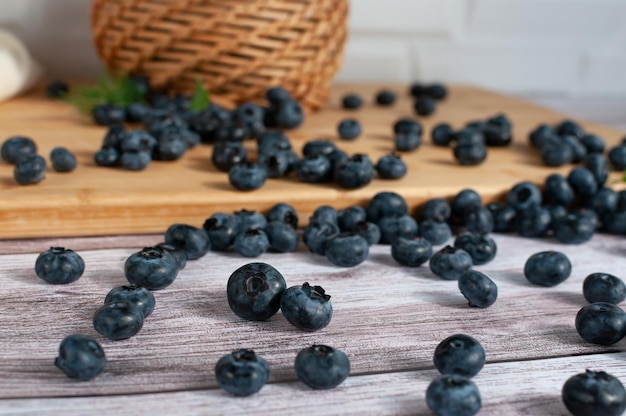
<point>470,136</point>
<point>169,147</point>
<point>336,158</point>
<point>601,323</point>
<point>221,229</point>
<point>436,209</point>
<point>481,248</point>
<point>573,228</point>
<point>556,154</point>
<point>347,250</point>
<point>385,98</point>
<point>251,243</point>
<point>193,241</point>
<point>107,156</point>
<point>80,357</point>
<point>534,222</point>
<point>325,213</point>
<point>582,182</point>
<point>459,354</point>
<point>271,141</point>
<point>139,296</point>
<point>282,237</point>
<point>547,268</point>
<point>497,135</point>
<point>621,201</point>
<point>386,204</point>
<point>594,393</point>
<point>557,190</point>
<point>322,367</point>
<point>424,106</point>
<point>135,161</point>
<point>306,307</point>
<point>540,135</point>
<point>368,230</point>
<point>247,176</point>
<point>478,220</point>
<point>349,129</point>
<point>617,157</point>
<point>479,290</point>
<point>604,287</point>
<point>57,89</point>
<point>278,164</point>
<point>17,147</point>
<point>392,228</point>
<point>406,142</point>
<point>391,166</point>
<point>570,127</point>
<point>593,143</point>
<point>59,266</point>
<point>470,154</point>
<point>314,169</point>
<point>30,170</point>
<point>615,223</point>
<point>254,291</point>
<point>450,263</point>
<point>348,217</point>
<point>453,395</point>
<point>247,219</point>
<point>354,173</point>
<point>407,125</point>
<point>598,165</point>
<point>289,114</point>
<point>411,253</point>
<point>503,217</point>
<point>318,233</point>
<point>436,91</point>
<point>579,151</point>
<point>277,95</point>
<point>435,232</point>
<point>108,114</point>
<point>135,112</point>
<point>153,268</point>
<point>417,89</point>
<point>242,373</point>
<point>178,253</point>
<point>285,213</point>
<point>351,101</point>
<point>227,154</point>
<point>118,320</point>
<point>442,134</point>
<point>463,201</point>
<point>524,195</point>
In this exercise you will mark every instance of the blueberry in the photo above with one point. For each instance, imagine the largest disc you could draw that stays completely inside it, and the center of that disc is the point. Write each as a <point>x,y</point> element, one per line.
<point>81,357</point>
<point>385,98</point>
<point>193,241</point>
<point>153,268</point>
<point>284,213</point>
<point>582,182</point>
<point>314,169</point>
<point>169,147</point>
<point>557,190</point>
<point>231,133</point>
<point>247,176</point>
<point>30,170</point>
<point>247,219</point>
<point>579,151</point>
<point>534,222</point>
<point>336,158</point>
<point>221,229</point>
<point>279,164</point>
<point>226,154</point>
<point>621,200</point>
<point>318,233</point>
<point>347,250</point>
<point>356,172</point>
<point>139,296</point>
<point>593,143</point>
<point>349,129</point>
<point>118,320</point>
<point>271,141</point>
<point>598,165</point>
<point>547,268</point>
<point>178,253</point>
<point>601,323</point>
<point>594,393</point>
<point>135,112</point>
<point>470,136</point>
<point>250,115</point>
<point>570,127</point>
<point>556,154</point>
<point>417,89</point>
<point>503,216</point>
<point>524,195</point>
<point>541,134</point>
<point>57,89</point>
<point>135,160</point>
<point>453,395</point>
<point>436,209</point>
<point>470,154</point>
<point>406,142</point>
<point>410,252</point>
<point>497,135</point>
<point>322,367</point>
<point>617,157</point>
<point>254,291</point>
<point>351,101</point>
<point>368,230</point>
<point>276,95</point>
<point>407,125</point>
<point>481,248</point>
<point>424,105</point>
<point>242,372</point>
<point>391,166</point>
<point>442,134</point>
<point>450,263</point>
<point>479,290</point>
<point>573,228</point>
<point>392,228</point>
<point>251,243</point>
<point>459,354</point>
<point>604,287</point>
<point>386,204</point>
<point>107,156</point>
<point>325,213</point>
<point>289,114</point>
<point>478,219</point>
<point>436,91</point>
<point>463,201</point>
<point>282,237</point>
<point>17,147</point>
<point>59,265</point>
<point>306,307</point>
<point>348,217</point>
<point>435,232</point>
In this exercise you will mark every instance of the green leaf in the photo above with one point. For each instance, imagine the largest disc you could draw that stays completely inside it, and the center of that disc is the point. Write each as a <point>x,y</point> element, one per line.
<point>624,177</point>
<point>200,99</point>
<point>119,91</point>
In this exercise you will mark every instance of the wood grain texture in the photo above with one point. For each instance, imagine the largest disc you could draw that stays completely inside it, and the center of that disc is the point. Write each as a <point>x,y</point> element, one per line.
<point>387,318</point>
<point>103,201</point>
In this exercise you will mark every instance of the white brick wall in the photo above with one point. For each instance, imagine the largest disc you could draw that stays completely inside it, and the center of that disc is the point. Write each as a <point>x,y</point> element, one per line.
<point>522,46</point>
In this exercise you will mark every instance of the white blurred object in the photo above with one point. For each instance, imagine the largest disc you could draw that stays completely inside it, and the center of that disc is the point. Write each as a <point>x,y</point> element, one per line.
<point>18,70</point>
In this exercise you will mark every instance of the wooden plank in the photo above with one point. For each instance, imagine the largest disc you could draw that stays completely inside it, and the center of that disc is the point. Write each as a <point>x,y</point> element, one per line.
<point>102,201</point>
<point>387,318</point>
<point>507,388</point>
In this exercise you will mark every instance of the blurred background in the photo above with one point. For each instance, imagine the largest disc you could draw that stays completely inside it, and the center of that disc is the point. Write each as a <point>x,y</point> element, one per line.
<point>541,48</point>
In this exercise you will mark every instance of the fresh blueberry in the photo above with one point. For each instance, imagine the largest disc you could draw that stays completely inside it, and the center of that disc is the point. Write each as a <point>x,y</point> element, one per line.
<point>524,195</point>
<point>556,154</point>
<point>424,105</point>
<point>179,254</point>
<point>254,291</point>
<point>503,216</point>
<point>604,287</point>
<point>470,136</point>
<point>601,323</point>
<point>231,133</point>
<point>392,228</point>
<point>410,252</point>
<point>169,147</point>
<point>289,114</point>
<point>271,141</point>
<point>497,135</point>
<point>81,357</point>
<point>617,157</point>
<point>579,151</point>
<point>57,89</point>
<point>108,114</point>
<point>459,354</point>
<point>107,156</point>
<point>306,307</point>
<point>436,91</point>
<point>470,154</point>
<point>336,158</point>
<point>479,290</point>
<point>435,232</point>
<point>247,219</point>
<point>318,233</point>
<point>314,169</point>
<point>221,229</point>
<point>135,160</point>
<point>547,268</point>
<point>368,230</point>
<point>153,268</point>
<point>242,372</point>
<point>406,142</point>
<point>450,263</point>
<point>136,112</point>
<point>325,213</point>
<point>598,165</point>
<point>30,170</point>
<point>407,125</point>
<point>139,296</point>
<point>557,190</point>
<point>463,201</point>
<point>351,101</point>
<point>436,209</point>
<point>478,219</point>
<point>442,134</point>
<point>385,98</point>
<point>391,166</point>
<point>282,236</point>
<point>417,89</point>
<point>570,127</point>
<point>247,176</point>
<point>276,95</point>
<point>349,129</point>
<point>573,228</point>
<point>347,250</point>
<point>250,115</point>
<point>541,134</point>
<point>593,143</point>
<point>193,241</point>
<point>356,172</point>
<point>453,395</point>
<point>226,154</point>
<point>322,367</point>
<point>481,248</point>
<point>348,217</point>
<point>386,204</point>
<point>621,201</point>
<point>59,265</point>
<point>17,147</point>
<point>279,164</point>
<point>582,182</point>
<point>594,393</point>
<point>118,320</point>
<point>251,243</point>
<point>284,213</point>
<point>534,222</point>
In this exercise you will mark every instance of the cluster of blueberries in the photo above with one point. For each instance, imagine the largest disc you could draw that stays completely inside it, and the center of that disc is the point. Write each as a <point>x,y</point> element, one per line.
<point>30,168</point>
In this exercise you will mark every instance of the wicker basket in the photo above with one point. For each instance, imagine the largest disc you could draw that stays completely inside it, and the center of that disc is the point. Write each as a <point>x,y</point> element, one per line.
<point>238,48</point>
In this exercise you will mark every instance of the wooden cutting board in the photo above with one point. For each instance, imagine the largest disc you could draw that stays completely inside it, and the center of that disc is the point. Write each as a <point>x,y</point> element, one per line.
<point>94,200</point>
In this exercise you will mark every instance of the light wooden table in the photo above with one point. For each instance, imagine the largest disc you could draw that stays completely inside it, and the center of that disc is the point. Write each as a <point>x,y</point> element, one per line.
<point>387,318</point>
